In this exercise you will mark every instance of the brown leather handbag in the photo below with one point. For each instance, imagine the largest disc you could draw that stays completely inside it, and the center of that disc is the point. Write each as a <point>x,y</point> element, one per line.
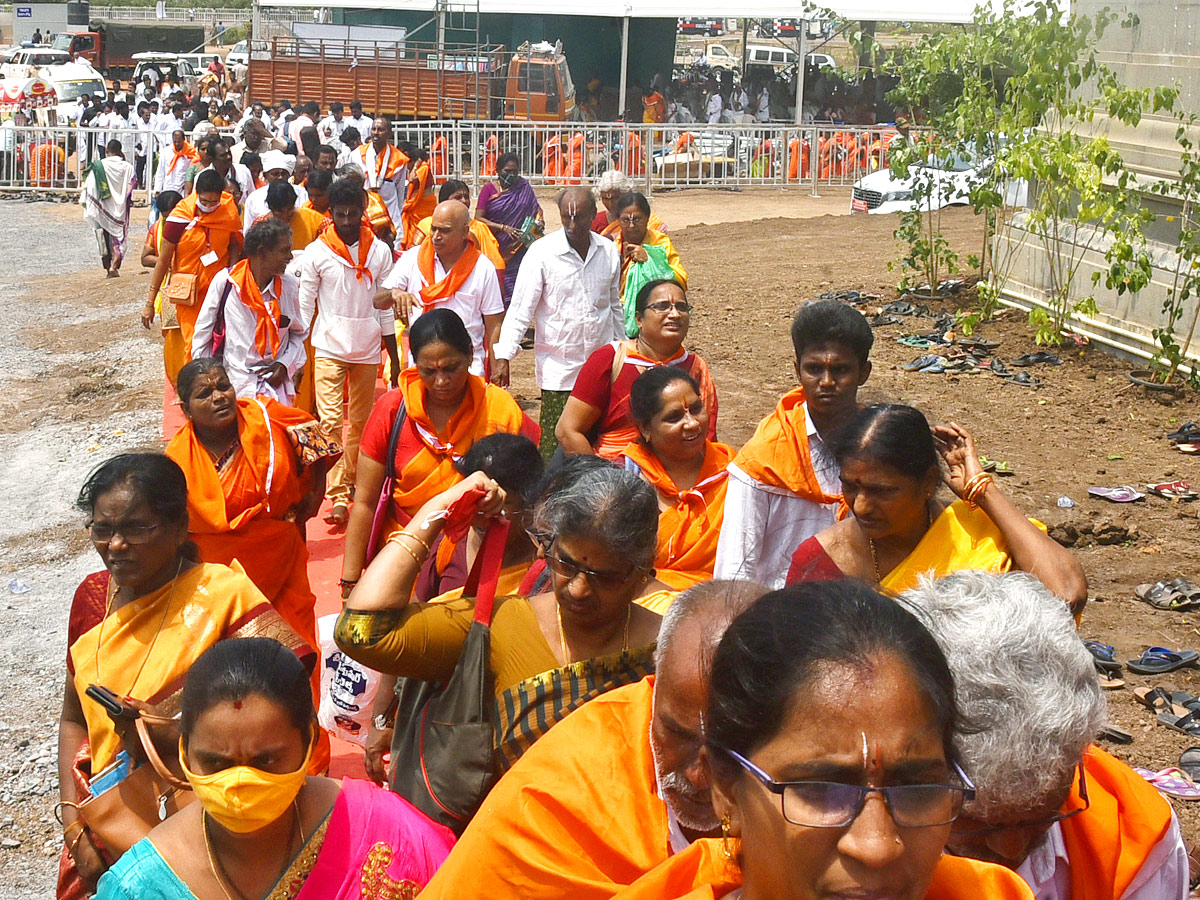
<point>126,812</point>
<point>181,289</point>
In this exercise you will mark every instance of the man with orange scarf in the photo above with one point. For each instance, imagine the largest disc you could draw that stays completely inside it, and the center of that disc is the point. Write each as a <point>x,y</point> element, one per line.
<point>784,484</point>
<point>341,284</point>
<point>614,789</point>
<point>173,164</point>
<point>201,236</point>
<point>259,305</point>
<point>420,200</point>
<point>1073,821</point>
<point>449,271</point>
<point>386,171</point>
<point>481,234</point>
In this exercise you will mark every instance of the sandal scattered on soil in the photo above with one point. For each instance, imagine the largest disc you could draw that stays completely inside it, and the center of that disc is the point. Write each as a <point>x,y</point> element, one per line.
<point>1159,700</point>
<point>986,464</point>
<point>1164,595</point>
<point>881,320</point>
<point>1189,447</point>
<point>1038,358</point>
<point>900,308</point>
<point>1188,724</point>
<point>921,362</point>
<point>1172,782</point>
<point>1173,490</point>
<point>1103,655</point>
<point>980,344</point>
<point>1123,494</point>
<point>915,341</point>
<point>1158,660</point>
<point>1004,467</point>
<point>1115,735</point>
<point>1189,431</point>
<point>1109,681</point>
<point>1189,761</point>
<point>999,368</point>
<point>1023,378</point>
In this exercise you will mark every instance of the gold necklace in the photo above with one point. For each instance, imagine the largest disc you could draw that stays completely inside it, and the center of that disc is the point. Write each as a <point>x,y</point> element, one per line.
<point>220,876</point>
<point>875,561</point>
<point>154,640</point>
<point>562,635</point>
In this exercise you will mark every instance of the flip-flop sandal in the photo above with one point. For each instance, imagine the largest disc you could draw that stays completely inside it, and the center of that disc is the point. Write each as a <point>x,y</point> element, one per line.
<point>999,368</point>
<point>1172,490</point>
<point>1189,761</point>
<point>966,366</point>
<point>1173,782</point>
<point>1038,358</point>
<point>1104,656</point>
<point>1184,432</point>
<point>1024,378</point>
<point>881,320</point>
<point>981,344</point>
<point>912,340</point>
<point>1157,660</point>
<point>1162,595</point>
<point>1189,724</point>
<point>920,362</point>
<point>986,464</point>
<point>937,367</point>
<point>1115,735</point>
<point>1188,447</point>
<point>1159,700</point>
<point>1123,494</point>
<point>900,308</point>
<point>1004,467</point>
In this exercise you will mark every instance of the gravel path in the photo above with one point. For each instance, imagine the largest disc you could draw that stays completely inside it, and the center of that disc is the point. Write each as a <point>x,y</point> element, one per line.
<point>66,340</point>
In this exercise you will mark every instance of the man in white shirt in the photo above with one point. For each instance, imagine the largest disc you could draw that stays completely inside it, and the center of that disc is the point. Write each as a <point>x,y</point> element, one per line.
<point>331,127</point>
<point>714,106</point>
<point>763,113</point>
<point>223,162</point>
<point>341,282</point>
<point>1073,821</point>
<point>386,169</point>
<point>784,484</point>
<point>357,120</point>
<point>144,143</point>
<point>449,271</point>
<point>256,138</point>
<point>173,165</point>
<point>569,288</point>
<point>255,370</point>
<point>168,123</point>
<point>276,166</point>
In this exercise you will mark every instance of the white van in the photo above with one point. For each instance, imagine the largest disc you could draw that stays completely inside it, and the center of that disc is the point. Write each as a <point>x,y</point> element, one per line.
<point>769,56</point>
<point>72,81</point>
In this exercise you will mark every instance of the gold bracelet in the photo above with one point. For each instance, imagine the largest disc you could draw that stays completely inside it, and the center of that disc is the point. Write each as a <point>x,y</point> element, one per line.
<point>976,488</point>
<point>409,550</point>
<point>78,823</point>
<point>415,537</point>
<point>75,843</point>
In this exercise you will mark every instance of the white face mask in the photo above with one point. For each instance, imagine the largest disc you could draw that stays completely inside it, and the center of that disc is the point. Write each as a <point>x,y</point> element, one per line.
<point>206,207</point>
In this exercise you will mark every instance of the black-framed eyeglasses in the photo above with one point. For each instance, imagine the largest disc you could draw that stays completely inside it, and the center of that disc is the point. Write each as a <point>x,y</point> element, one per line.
<point>832,804</point>
<point>130,534</point>
<point>1038,824</point>
<point>599,580</point>
<point>540,539</point>
<point>665,306</point>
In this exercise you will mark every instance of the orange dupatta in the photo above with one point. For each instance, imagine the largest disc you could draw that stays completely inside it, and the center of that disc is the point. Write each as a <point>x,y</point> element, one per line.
<point>435,292</point>
<point>480,234</point>
<point>485,410</point>
<point>266,313</point>
<point>213,231</point>
<point>188,152</point>
<point>335,243</point>
<point>778,455</point>
<point>688,530</point>
<point>418,204</point>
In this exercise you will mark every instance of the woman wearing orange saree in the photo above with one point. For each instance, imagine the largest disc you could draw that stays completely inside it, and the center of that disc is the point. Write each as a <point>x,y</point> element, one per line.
<point>248,494</point>
<point>201,236</point>
<point>420,200</point>
<point>446,410</point>
<point>135,629</point>
<point>687,470</point>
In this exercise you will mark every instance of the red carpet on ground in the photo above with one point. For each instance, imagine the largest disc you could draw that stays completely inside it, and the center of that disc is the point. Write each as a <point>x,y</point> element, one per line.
<point>324,571</point>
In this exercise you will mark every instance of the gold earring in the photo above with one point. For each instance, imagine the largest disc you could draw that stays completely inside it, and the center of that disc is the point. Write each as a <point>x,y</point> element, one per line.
<point>725,838</point>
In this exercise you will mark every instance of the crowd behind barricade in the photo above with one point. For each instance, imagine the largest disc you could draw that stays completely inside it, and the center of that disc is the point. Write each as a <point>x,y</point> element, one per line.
<point>616,657</point>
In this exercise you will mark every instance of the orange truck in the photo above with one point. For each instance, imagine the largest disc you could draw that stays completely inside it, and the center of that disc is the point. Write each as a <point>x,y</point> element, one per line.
<point>408,80</point>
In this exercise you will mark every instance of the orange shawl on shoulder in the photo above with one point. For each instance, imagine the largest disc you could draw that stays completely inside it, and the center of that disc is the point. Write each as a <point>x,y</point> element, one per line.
<point>436,292</point>
<point>778,454</point>
<point>418,204</point>
<point>689,528</point>
<point>485,410</point>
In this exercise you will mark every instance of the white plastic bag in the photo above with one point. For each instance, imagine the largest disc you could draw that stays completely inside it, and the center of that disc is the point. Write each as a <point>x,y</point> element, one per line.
<point>347,688</point>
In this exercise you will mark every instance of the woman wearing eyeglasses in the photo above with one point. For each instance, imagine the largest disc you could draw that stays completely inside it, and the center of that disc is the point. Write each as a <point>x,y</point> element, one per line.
<point>597,417</point>
<point>135,629</point>
<point>550,652</point>
<point>828,741</point>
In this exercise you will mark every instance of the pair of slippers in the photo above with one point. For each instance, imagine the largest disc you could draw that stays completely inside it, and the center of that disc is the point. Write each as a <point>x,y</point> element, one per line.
<point>1035,359</point>
<point>1124,494</point>
<point>1108,670</point>
<point>1178,594</point>
<point>1172,490</point>
<point>999,466</point>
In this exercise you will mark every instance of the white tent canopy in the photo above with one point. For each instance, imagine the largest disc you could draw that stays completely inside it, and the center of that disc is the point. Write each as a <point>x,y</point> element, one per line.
<point>868,10</point>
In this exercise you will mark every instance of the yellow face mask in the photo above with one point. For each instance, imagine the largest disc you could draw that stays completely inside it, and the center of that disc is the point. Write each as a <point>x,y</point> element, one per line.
<point>244,799</point>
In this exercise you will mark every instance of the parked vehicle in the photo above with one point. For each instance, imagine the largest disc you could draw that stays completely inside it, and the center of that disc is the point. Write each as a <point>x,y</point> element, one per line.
<point>26,63</point>
<point>953,176</point>
<point>239,55</point>
<point>167,64</point>
<point>710,26</point>
<point>199,61</point>
<point>114,47</point>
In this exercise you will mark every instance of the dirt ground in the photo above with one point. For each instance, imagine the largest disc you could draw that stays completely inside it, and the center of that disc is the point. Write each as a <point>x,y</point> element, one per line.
<point>81,381</point>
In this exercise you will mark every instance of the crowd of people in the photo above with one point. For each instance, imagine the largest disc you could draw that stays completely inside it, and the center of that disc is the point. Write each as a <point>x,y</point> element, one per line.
<point>835,661</point>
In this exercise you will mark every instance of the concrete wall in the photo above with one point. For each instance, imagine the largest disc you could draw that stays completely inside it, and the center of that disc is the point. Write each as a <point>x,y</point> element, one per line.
<point>1164,48</point>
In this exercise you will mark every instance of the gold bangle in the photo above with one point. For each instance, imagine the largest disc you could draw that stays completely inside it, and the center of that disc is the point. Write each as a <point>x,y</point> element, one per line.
<point>976,488</point>
<point>75,843</point>
<point>415,537</point>
<point>78,823</point>
<point>409,550</point>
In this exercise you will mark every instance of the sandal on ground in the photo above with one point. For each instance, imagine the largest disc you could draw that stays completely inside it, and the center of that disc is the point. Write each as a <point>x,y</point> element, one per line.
<point>921,362</point>
<point>1038,358</point>
<point>1115,735</point>
<point>1157,660</point>
<point>1159,700</point>
<point>900,308</point>
<point>1123,494</point>
<point>981,344</point>
<point>1173,781</point>
<point>1172,490</point>
<point>1189,761</point>
<point>1163,595</point>
<point>1103,655</point>
<point>915,341</point>
<point>1004,467</point>
<point>1022,378</point>
<point>881,320</point>
<point>999,368</point>
<point>1189,724</point>
<point>1185,432</point>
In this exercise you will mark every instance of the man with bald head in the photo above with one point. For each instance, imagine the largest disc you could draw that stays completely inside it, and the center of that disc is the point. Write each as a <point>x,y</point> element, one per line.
<point>448,270</point>
<point>569,288</point>
<point>613,789</point>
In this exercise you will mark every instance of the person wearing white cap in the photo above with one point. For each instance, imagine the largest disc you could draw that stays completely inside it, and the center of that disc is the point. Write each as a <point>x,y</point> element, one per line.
<point>276,166</point>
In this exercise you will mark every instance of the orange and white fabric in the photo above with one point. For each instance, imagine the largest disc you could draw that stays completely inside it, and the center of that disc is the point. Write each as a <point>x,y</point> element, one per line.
<point>784,487</point>
<point>386,175</point>
<point>477,296</point>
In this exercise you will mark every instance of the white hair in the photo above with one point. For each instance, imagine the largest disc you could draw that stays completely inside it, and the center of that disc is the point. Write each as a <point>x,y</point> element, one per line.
<point>1025,684</point>
<point>720,601</point>
<point>614,180</point>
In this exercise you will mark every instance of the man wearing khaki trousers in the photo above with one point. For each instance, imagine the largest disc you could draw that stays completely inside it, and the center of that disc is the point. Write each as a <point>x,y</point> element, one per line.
<point>340,277</point>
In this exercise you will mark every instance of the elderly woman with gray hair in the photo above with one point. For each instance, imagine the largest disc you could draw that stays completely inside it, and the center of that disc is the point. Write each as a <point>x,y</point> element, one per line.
<point>612,185</point>
<point>550,653</point>
<point>1073,821</point>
